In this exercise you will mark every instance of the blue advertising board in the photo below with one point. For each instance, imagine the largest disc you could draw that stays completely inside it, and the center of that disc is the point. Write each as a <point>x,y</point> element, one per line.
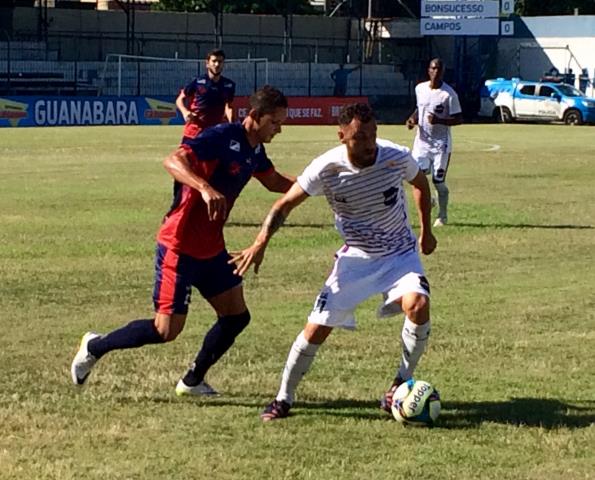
<point>40,111</point>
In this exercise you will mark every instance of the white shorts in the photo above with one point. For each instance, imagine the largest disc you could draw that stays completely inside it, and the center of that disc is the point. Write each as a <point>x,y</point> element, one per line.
<point>435,163</point>
<point>356,277</point>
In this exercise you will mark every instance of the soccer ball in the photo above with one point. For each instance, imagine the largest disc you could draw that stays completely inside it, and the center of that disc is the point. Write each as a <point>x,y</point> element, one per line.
<point>416,403</point>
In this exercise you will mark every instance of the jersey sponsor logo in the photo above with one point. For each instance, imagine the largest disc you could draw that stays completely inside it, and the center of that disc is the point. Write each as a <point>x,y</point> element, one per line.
<point>228,85</point>
<point>390,196</point>
<point>201,81</point>
<point>234,145</point>
<point>439,109</point>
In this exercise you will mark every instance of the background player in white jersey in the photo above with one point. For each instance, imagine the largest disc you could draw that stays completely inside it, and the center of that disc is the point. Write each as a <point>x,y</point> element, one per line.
<point>362,182</point>
<point>438,109</point>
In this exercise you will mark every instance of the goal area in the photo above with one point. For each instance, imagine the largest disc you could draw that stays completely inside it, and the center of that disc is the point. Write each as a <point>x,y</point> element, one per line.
<point>142,75</point>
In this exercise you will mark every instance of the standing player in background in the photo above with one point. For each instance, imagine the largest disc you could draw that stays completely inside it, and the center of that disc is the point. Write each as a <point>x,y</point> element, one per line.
<point>438,109</point>
<point>210,171</point>
<point>362,181</point>
<point>206,101</point>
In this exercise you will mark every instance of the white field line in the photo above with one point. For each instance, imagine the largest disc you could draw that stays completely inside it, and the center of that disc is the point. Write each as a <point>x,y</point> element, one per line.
<point>490,147</point>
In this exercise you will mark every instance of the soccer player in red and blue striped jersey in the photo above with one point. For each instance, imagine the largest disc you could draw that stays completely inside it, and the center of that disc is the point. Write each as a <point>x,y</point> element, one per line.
<point>206,100</point>
<point>209,171</point>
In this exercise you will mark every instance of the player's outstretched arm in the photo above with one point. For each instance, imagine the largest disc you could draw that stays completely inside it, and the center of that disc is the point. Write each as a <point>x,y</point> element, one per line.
<point>423,202</point>
<point>177,164</point>
<point>277,181</point>
<point>254,254</point>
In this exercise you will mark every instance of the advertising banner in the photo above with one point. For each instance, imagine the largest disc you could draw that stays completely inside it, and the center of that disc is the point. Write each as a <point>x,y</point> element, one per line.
<point>76,111</point>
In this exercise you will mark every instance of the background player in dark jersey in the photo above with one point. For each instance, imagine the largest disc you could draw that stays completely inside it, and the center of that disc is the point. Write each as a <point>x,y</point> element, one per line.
<point>206,101</point>
<point>210,171</point>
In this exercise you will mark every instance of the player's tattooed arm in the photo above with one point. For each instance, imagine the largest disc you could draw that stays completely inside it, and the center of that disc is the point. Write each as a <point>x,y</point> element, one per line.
<point>273,222</point>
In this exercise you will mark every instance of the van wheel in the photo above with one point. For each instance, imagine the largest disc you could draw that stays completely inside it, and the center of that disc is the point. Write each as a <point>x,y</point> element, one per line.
<point>573,117</point>
<point>502,115</point>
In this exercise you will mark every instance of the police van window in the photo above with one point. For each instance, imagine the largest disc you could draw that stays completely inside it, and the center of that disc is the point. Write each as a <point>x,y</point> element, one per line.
<point>545,91</point>
<point>528,90</point>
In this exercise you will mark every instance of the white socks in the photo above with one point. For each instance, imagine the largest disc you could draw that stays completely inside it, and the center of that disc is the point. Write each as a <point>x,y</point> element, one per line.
<point>300,358</point>
<point>415,338</point>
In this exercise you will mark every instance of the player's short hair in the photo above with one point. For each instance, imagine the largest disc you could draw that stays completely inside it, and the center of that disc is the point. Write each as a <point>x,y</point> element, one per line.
<point>361,111</point>
<point>438,61</point>
<point>216,52</point>
<point>267,99</point>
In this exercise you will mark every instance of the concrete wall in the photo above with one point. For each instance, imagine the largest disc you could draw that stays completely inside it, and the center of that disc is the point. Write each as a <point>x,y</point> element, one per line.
<point>91,34</point>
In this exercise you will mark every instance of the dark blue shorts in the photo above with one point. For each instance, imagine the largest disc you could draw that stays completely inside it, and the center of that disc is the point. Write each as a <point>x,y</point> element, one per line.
<point>176,274</point>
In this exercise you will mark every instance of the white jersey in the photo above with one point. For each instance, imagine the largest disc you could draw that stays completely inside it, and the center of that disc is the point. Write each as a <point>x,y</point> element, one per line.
<point>442,102</point>
<point>369,203</point>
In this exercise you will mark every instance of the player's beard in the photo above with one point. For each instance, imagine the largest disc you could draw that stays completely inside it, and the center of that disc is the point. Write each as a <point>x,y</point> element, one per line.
<point>214,73</point>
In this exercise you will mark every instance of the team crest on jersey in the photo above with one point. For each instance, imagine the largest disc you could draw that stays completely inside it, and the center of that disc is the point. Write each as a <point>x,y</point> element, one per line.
<point>201,90</point>
<point>234,168</point>
<point>234,145</point>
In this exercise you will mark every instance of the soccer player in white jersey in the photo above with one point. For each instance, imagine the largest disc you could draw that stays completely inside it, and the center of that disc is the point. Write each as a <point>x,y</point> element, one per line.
<point>438,109</point>
<point>362,182</point>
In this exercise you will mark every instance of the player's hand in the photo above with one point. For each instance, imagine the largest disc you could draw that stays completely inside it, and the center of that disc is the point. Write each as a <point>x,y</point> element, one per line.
<point>191,117</point>
<point>216,203</point>
<point>410,123</point>
<point>427,243</point>
<point>433,119</point>
<point>253,255</point>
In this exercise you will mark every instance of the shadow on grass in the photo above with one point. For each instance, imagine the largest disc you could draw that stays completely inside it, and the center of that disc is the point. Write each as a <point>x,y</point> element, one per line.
<point>522,225</point>
<point>532,412</point>
<point>529,412</point>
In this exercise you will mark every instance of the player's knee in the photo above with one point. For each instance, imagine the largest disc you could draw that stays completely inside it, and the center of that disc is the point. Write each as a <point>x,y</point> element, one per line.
<point>440,184</point>
<point>235,324</point>
<point>417,308</point>
<point>169,327</point>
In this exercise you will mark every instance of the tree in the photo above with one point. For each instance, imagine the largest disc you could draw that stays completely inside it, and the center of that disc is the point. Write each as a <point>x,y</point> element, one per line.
<point>270,7</point>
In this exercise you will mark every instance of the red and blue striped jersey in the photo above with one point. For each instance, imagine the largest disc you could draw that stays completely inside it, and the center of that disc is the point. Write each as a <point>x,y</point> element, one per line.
<point>222,156</point>
<point>207,99</point>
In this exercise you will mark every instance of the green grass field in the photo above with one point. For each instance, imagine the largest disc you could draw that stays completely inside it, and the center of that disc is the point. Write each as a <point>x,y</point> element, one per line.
<point>512,347</point>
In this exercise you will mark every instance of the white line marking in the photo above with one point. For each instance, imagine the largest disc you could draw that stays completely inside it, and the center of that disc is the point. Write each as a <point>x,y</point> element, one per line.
<point>491,147</point>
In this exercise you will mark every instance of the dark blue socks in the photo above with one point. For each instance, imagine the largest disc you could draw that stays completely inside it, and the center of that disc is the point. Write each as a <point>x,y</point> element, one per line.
<point>136,334</point>
<point>217,341</point>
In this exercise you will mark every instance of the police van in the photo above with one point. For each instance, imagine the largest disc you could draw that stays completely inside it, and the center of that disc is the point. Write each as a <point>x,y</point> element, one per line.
<point>515,99</point>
